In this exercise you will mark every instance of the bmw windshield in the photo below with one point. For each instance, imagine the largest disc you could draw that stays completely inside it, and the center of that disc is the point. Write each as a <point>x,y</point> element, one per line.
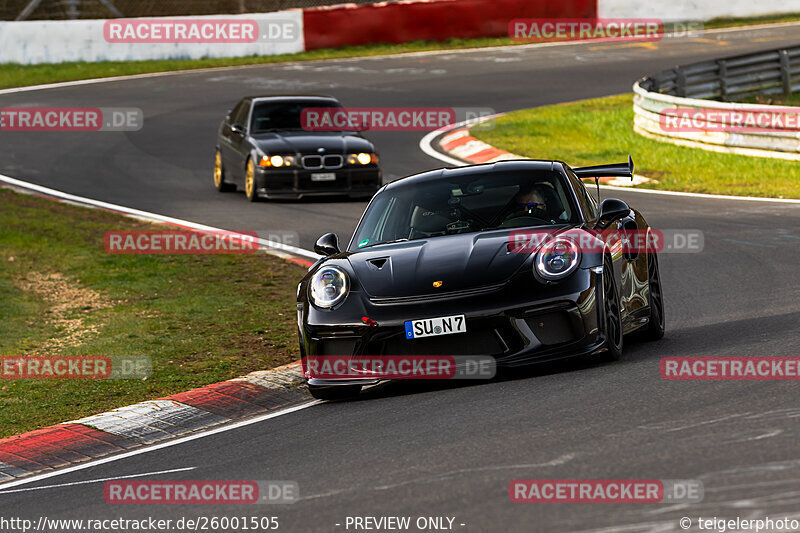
<point>284,116</point>
<point>464,204</point>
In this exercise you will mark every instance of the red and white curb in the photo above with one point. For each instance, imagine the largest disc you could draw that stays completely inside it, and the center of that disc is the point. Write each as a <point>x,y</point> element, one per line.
<point>153,421</point>
<point>146,423</point>
<point>150,422</point>
<point>461,144</point>
<point>458,143</point>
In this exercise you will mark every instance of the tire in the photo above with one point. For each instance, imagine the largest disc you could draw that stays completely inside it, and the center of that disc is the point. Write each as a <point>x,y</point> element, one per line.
<point>219,175</point>
<point>343,392</point>
<point>613,316</point>
<point>250,182</point>
<point>655,325</point>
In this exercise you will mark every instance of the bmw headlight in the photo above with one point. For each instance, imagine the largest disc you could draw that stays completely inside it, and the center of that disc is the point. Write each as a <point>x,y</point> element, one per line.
<point>557,259</point>
<point>364,158</point>
<point>277,161</point>
<point>328,286</point>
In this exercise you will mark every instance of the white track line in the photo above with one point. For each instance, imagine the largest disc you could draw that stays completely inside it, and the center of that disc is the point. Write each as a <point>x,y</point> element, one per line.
<point>27,489</point>
<point>93,81</point>
<point>148,449</point>
<point>151,217</point>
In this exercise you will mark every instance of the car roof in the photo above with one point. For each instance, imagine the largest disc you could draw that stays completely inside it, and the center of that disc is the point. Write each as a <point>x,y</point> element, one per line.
<point>499,166</point>
<point>289,97</point>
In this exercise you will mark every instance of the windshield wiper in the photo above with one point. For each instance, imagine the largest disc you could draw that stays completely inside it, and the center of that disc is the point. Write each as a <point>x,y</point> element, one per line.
<point>387,242</point>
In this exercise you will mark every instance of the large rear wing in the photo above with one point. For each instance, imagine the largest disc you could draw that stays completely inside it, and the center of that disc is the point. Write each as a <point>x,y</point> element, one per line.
<point>624,170</point>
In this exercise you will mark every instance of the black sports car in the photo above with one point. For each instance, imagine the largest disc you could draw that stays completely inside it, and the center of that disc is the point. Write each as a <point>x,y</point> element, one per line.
<point>440,244</point>
<point>262,147</point>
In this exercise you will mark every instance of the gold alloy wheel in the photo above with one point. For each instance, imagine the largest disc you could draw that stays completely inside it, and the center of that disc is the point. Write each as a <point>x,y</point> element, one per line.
<point>218,171</point>
<point>249,180</point>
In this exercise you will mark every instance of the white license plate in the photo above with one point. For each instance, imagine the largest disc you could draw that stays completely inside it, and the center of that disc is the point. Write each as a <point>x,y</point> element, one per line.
<point>323,176</point>
<point>431,327</point>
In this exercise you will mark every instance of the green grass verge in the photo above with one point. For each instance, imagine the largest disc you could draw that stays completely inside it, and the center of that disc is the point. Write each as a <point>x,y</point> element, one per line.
<point>750,21</point>
<point>600,130</point>
<point>201,318</point>
<point>14,75</point>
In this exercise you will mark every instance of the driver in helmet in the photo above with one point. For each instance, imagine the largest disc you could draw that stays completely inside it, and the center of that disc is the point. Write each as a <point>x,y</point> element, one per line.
<point>538,201</point>
<point>531,201</point>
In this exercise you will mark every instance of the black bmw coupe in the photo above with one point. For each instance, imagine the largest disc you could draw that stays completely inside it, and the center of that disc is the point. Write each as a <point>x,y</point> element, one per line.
<point>435,268</point>
<point>263,148</point>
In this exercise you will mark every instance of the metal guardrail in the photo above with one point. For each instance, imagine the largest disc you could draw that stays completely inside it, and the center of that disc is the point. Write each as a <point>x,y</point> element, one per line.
<point>711,85</point>
<point>732,78</point>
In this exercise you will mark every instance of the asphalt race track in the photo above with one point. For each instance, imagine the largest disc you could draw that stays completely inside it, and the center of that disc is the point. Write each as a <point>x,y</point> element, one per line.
<point>409,450</point>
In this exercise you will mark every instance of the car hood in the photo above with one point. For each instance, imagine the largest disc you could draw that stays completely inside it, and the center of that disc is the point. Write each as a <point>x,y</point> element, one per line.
<point>309,143</point>
<point>466,261</point>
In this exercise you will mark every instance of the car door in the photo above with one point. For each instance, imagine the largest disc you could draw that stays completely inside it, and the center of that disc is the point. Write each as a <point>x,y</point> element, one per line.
<point>225,149</point>
<point>624,258</point>
<point>620,261</point>
<point>234,134</point>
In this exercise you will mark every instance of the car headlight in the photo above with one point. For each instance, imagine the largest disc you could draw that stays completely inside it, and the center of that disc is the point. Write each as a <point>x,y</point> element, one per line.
<point>364,158</point>
<point>328,286</point>
<point>557,259</point>
<point>277,161</point>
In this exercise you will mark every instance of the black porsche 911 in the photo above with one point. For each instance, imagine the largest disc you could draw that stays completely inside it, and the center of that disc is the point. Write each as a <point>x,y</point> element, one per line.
<point>263,148</point>
<point>439,245</point>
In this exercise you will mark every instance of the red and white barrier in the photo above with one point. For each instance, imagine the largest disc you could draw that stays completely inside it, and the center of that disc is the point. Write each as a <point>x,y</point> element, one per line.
<point>58,41</point>
<point>428,20</point>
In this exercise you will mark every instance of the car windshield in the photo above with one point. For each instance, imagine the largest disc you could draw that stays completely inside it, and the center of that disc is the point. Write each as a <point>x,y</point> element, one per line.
<point>282,116</point>
<point>466,203</point>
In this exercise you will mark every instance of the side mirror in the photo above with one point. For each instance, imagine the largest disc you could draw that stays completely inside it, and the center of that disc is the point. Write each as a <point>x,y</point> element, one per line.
<point>327,245</point>
<point>611,210</point>
<point>236,128</point>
